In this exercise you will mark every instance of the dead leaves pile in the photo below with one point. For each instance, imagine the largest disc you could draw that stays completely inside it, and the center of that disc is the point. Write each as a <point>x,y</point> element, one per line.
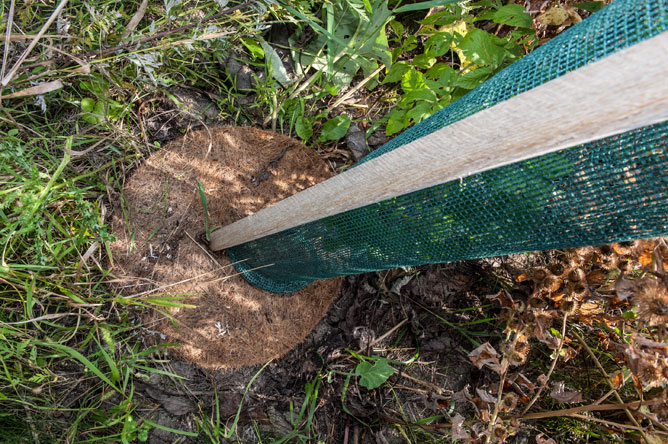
<point>616,294</point>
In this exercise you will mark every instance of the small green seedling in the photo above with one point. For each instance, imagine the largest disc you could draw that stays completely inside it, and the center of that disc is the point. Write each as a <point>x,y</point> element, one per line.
<point>374,375</point>
<point>202,196</point>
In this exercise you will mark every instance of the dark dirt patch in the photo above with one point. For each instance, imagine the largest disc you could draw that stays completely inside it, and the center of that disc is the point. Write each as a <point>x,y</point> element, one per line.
<point>157,251</point>
<point>359,319</point>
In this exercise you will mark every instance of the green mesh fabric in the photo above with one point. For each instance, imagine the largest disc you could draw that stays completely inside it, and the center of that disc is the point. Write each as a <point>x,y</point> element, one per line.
<point>610,190</point>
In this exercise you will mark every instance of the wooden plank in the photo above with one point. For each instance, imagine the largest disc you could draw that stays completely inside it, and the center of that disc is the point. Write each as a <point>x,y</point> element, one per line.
<point>621,92</point>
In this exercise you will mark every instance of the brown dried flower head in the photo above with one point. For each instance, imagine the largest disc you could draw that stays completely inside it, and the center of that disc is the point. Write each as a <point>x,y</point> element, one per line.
<point>499,432</point>
<point>569,306</point>
<point>651,297</point>
<point>536,302</point>
<point>649,373</point>
<point>577,275</point>
<point>508,402</point>
<point>552,283</point>
<point>556,268</point>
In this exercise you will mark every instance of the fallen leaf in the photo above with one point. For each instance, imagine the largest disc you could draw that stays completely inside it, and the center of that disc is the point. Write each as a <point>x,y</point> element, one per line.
<point>618,379</point>
<point>522,380</point>
<point>485,355</point>
<point>554,16</point>
<point>459,433</point>
<point>542,439</point>
<point>36,90</point>
<point>645,258</point>
<point>559,393</point>
<point>485,396</point>
<point>503,297</point>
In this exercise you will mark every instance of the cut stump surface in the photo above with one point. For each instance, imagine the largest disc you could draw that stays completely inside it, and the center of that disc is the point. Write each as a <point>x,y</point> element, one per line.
<point>158,252</point>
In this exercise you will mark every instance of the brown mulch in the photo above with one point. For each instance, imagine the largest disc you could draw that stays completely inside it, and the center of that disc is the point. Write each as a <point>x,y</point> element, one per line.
<point>158,252</point>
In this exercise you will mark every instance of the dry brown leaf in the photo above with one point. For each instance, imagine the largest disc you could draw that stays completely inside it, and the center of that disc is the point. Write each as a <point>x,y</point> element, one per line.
<point>560,394</point>
<point>485,355</point>
<point>459,433</point>
<point>554,16</point>
<point>522,380</point>
<point>485,396</point>
<point>503,297</point>
<point>542,439</point>
<point>136,18</point>
<point>36,90</point>
<point>618,379</point>
<point>645,258</point>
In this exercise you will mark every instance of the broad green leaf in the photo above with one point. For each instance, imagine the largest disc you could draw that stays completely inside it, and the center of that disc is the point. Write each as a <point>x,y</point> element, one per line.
<point>443,73</point>
<point>254,47</point>
<point>304,128</point>
<point>513,15</point>
<point>424,61</point>
<point>335,128</point>
<point>412,80</point>
<point>276,66</point>
<point>396,72</point>
<point>397,27</point>
<point>419,95</point>
<point>396,121</point>
<point>473,78</point>
<point>438,44</point>
<point>373,375</point>
<point>419,112</point>
<point>478,46</point>
<point>87,105</point>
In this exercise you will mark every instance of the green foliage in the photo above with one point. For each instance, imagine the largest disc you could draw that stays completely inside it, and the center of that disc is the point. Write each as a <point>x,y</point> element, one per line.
<point>457,57</point>
<point>373,375</point>
<point>335,128</point>
<point>354,39</point>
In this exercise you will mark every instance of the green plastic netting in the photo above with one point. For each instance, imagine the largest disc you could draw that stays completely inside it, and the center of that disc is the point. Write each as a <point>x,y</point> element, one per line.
<point>610,190</point>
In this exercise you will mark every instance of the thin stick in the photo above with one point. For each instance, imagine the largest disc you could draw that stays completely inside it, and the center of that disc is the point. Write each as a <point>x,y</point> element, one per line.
<point>33,43</point>
<point>609,423</point>
<point>549,373</point>
<point>347,95</point>
<point>621,92</point>
<point>590,408</point>
<point>8,36</point>
<point>610,384</point>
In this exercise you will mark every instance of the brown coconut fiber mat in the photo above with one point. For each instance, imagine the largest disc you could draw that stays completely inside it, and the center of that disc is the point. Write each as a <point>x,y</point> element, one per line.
<point>158,223</point>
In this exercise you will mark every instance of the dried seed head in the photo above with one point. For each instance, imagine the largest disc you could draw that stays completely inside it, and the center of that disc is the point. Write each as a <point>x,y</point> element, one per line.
<point>610,260</point>
<point>552,283</point>
<point>622,248</point>
<point>556,268</point>
<point>579,290</point>
<point>576,275</point>
<point>516,358</point>
<point>537,302</point>
<point>625,265</point>
<point>508,402</point>
<point>649,373</point>
<point>651,297</point>
<point>500,432</point>
<point>514,423</point>
<point>527,316</point>
<point>538,275</point>
<point>569,306</point>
